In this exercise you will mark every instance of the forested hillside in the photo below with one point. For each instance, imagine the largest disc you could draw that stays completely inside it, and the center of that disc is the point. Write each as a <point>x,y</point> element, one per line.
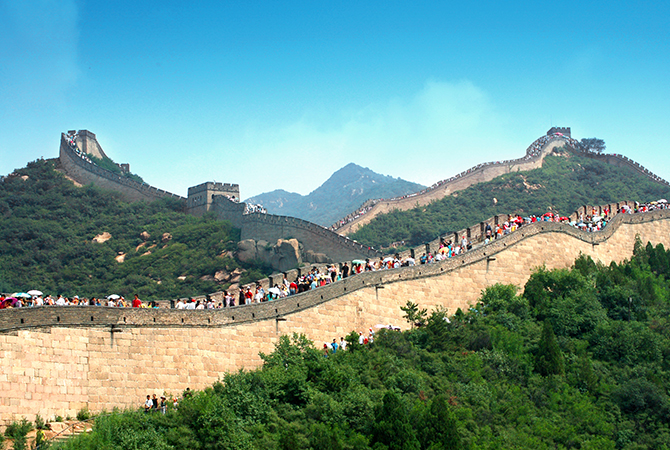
<point>565,182</point>
<point>48,225</point>
<point>579,359</point>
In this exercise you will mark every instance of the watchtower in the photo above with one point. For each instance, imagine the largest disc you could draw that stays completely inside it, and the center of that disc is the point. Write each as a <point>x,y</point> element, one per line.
<point>200,196</point>
<point>565,131</point>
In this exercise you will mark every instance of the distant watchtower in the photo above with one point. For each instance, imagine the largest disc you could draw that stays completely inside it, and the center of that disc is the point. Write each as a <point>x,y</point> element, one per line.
<point>565,131</point>
<point>200,196</point>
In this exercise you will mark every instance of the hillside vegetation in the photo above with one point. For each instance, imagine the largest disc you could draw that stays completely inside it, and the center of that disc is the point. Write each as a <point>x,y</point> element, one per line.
<point>47,228</point>
<point>565,182</point>
<point>579,360</point>
<point>343,192</point>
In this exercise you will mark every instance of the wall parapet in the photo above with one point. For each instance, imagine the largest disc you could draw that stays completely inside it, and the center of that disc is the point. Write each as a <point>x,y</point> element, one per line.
<point>535,153</point>
<point>623,161</point>
<point>317,230</point>
<point>69,156</point>
<point>117,319</point>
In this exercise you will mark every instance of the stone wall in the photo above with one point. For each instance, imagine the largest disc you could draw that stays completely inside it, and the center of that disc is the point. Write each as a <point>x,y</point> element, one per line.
<point>623,161</point>
<point>478,174</point>
<point>82,171</point>
<point>57,360</point>
<point>270,227</point>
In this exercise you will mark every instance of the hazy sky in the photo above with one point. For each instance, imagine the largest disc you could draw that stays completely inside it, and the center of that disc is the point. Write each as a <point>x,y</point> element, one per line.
<point>277,95</point>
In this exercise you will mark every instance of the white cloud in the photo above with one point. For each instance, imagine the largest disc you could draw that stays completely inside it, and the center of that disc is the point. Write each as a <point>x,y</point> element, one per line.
<point>430,135</point>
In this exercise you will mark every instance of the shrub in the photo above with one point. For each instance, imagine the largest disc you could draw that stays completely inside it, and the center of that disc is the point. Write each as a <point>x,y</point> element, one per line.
<point>17,431</point>
<point>83,414</point>
<point>39,423</point>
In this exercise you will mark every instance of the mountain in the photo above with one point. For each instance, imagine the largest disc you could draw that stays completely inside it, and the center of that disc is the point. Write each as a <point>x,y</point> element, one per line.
<point>63,239</point>
<point>342,193</point>
<point>565,182</point>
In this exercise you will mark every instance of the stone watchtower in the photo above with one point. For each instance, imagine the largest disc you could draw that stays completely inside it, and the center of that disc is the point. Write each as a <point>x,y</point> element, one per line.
<point>200,197</point>
<point>87,143</point>
<point>565,131</point>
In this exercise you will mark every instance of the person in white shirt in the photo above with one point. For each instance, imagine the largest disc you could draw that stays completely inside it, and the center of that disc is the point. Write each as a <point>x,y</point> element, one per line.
<point>180,304</point>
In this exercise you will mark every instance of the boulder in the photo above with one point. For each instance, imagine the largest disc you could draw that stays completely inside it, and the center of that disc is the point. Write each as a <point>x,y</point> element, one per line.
<point>166,237</point>
<point>104,237</point>
<point>286,255</point>
<point>319,258</point>
<point>282,256</point>
<point>221,275</point>
<point>145,236</point>
<point>246,250</point>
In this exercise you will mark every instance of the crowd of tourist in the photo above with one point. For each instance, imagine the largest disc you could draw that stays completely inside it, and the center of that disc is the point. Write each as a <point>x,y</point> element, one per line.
<point>532,151</point>
<point>72,142</point>
<point>589,221</point>
<point>251,208</point>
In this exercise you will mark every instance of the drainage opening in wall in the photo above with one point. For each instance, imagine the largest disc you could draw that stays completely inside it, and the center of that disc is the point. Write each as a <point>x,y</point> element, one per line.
<point>92,319</point>
<point>57,318</point>
<point>22,320</point>
<point>124,320</point>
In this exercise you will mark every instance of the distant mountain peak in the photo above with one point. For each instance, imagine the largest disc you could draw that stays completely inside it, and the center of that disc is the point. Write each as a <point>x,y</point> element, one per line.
<point>344,191</point>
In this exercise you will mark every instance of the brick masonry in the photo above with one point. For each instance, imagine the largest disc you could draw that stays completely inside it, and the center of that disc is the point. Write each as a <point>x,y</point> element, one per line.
<point>56,361</point>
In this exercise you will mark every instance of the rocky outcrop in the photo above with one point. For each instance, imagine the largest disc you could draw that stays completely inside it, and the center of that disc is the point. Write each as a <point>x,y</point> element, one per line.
<point>282,256</point>
<point>103,237</point>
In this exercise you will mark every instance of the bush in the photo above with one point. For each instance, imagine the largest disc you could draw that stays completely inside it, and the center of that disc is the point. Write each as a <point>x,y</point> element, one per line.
<point>39,423</point>
<point>83,414</point>
<point>17,431</point>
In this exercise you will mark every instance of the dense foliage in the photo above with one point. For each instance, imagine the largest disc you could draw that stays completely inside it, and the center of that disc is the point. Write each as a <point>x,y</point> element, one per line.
<point>107,164</point>
<point>564,183</point>
<point>47,226</point>
<point>580,360</point>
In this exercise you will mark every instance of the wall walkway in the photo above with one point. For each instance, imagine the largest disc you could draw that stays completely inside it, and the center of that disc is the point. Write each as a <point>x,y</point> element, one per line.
<point>58,360</point>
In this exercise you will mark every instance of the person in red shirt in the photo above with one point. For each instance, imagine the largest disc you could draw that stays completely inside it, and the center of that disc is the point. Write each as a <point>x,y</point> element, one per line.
<point>137,303</point>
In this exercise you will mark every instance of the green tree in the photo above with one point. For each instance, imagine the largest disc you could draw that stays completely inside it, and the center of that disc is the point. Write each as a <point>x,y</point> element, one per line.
<point>549,359</point>
<point>593,144</point>
<point>440,428</point>
<point>392,429</point>
<point>413,315</point>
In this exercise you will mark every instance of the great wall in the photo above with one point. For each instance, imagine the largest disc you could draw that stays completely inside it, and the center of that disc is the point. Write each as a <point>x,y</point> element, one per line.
<point>557,137</point>
<point>58,360</point>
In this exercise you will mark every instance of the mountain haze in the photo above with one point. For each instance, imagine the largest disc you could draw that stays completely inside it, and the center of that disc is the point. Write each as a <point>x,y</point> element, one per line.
<point>341,194</point>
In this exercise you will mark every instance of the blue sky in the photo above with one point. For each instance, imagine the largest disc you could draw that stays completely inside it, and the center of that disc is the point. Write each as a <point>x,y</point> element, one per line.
<point>279,95</point>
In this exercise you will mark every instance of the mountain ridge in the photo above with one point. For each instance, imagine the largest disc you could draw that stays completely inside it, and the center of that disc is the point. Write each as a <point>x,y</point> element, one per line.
<point>340,194</point>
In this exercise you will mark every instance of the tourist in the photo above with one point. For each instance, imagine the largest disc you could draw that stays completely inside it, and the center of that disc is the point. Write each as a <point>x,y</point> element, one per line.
<point>148,404</point>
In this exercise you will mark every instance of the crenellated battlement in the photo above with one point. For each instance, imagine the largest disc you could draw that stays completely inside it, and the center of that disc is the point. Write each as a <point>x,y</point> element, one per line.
<point>565,131</point>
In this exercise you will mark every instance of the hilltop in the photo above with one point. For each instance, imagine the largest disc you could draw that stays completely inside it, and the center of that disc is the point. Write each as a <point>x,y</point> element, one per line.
<point>343,192</point>
<point>69,240</point>
<point>566,181</point>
